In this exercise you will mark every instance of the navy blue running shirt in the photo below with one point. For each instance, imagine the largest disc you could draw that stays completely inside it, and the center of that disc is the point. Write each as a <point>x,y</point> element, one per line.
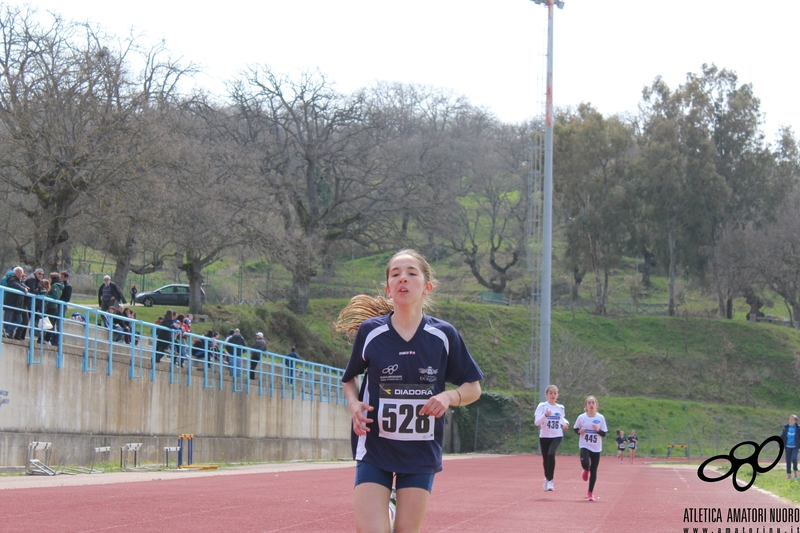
<point>400,377</point>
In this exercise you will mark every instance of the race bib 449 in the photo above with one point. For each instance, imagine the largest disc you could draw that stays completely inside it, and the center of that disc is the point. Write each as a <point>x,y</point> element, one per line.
<point>398,412</point>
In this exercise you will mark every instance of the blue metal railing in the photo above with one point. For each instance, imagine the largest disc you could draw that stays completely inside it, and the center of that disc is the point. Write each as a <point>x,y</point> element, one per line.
<point>99,333</point>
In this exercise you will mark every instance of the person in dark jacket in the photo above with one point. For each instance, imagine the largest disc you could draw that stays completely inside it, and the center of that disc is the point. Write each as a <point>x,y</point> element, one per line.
<point>32,309</point>
<point>165,336</point>
<point>236,352</point>
<point>202,346</point>
<point>291,358</point>
<point>108,295</point>
<point>791,440</point>
<point>256,351</point>
<point>13,303</point>
<point>66,294</point>
<point>53,309</point>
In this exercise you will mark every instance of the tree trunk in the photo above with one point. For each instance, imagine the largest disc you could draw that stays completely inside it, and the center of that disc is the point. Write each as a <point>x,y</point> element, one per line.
<point>599,300</point>
<point>299,297</point>
<point>717,283</point>
<point>195,289</point>
<point>649,259</point>
<point>672,270</point>
<point>122,258</point>
<point>577,277</point>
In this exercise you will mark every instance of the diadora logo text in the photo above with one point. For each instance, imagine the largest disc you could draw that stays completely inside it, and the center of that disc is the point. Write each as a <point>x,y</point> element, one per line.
<point>736,463</point>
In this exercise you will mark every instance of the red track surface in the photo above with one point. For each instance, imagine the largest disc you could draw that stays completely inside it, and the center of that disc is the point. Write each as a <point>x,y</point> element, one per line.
<point>481,494</point>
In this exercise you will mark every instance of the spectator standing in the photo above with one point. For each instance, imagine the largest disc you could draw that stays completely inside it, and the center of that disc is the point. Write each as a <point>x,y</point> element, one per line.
<point>256,351</point>
<point>29,313</point>
<point>53,309</point>
<point>291,358</point>
<point>791,438</point>
<point>66,293</point>
<point>183,336</point>
<point>39,324</point>
<point>165,336</point>
<point>236,352</point>
<point>13,303</point>
<point>108,295</point>
<point>134,292</point>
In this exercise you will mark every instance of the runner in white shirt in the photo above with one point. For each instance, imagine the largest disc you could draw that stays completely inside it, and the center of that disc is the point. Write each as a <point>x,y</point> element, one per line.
<point>552,422</point>
<point>591,426</point>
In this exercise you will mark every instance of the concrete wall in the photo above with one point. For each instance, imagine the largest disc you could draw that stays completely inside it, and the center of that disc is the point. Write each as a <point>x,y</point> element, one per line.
<point>77,411</point>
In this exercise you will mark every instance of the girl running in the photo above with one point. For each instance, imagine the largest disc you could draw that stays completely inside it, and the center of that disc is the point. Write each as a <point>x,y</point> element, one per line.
<point>621,443</point>
<point>591,426</point>
<point>633,440</point>
<point>406,357</point>
<point>552,422</point>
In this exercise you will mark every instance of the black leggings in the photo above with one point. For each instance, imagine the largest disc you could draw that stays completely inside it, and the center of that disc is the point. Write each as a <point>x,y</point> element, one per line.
<point>548,447</point>
<point>589,461</point>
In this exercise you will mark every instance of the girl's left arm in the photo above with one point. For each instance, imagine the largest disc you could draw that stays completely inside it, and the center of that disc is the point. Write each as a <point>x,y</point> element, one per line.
<point>465,394</point>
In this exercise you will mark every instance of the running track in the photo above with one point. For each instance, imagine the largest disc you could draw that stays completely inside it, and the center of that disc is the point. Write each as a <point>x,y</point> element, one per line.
<point>475,494</point>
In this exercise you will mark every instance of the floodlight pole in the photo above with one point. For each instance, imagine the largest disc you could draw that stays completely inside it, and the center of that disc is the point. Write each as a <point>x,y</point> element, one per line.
<point>547,211</point>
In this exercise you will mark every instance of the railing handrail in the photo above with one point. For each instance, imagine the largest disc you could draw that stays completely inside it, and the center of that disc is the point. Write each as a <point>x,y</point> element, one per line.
<point>327,377</point>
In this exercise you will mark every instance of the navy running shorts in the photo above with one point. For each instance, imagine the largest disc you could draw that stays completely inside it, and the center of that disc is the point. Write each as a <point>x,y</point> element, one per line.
<point>367,473</point>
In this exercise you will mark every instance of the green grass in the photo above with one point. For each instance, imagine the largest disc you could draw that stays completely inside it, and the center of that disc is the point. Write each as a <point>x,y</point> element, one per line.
<point>773,481</point>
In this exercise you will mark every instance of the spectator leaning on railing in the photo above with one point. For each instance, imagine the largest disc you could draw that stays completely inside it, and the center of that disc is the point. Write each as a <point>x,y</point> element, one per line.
<point>53,309</point>
<point>32,309</point>
<point>256,351</point>
<point>13,302</point>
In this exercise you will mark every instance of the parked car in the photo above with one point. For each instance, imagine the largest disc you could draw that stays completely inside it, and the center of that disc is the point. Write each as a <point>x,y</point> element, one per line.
<point>175,295</point>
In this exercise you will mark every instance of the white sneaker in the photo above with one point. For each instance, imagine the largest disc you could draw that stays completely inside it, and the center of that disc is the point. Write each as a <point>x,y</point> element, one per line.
<point>550,485</point>
<point>546,485</point>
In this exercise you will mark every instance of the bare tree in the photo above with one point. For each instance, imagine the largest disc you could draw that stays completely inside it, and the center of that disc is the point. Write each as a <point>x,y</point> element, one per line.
<point>487,222</point>
<point>210,192</point>
<point>70,113</point>
<point>317,163</point>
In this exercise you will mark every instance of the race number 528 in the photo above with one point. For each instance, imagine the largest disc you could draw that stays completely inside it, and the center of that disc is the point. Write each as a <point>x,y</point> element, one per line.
<point>399,415</point>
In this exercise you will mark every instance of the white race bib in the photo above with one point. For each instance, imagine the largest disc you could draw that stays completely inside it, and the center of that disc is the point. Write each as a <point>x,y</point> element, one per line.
<point>398,412</point>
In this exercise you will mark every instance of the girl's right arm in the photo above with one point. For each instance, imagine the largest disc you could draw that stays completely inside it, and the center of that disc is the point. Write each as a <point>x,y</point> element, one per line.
<point>357,408</point>
<point>539,416</point>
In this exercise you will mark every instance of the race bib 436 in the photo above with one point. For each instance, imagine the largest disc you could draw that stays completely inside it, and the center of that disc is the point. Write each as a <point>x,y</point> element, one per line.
<point>398,412</point>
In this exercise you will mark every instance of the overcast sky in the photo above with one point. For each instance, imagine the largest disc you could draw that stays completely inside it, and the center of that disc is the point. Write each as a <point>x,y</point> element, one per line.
<point>488,50</point>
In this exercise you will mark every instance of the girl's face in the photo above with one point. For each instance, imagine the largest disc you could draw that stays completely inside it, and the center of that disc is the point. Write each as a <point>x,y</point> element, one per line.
<point>406,284</point>
<point>591,406</point>
<point>791,421</point>
<point>633,432</point>
<point>552,395</point>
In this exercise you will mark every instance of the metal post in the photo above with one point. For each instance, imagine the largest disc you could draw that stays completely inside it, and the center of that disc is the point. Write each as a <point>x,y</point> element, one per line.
<point>547,218</point>
<point>547,221</point>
